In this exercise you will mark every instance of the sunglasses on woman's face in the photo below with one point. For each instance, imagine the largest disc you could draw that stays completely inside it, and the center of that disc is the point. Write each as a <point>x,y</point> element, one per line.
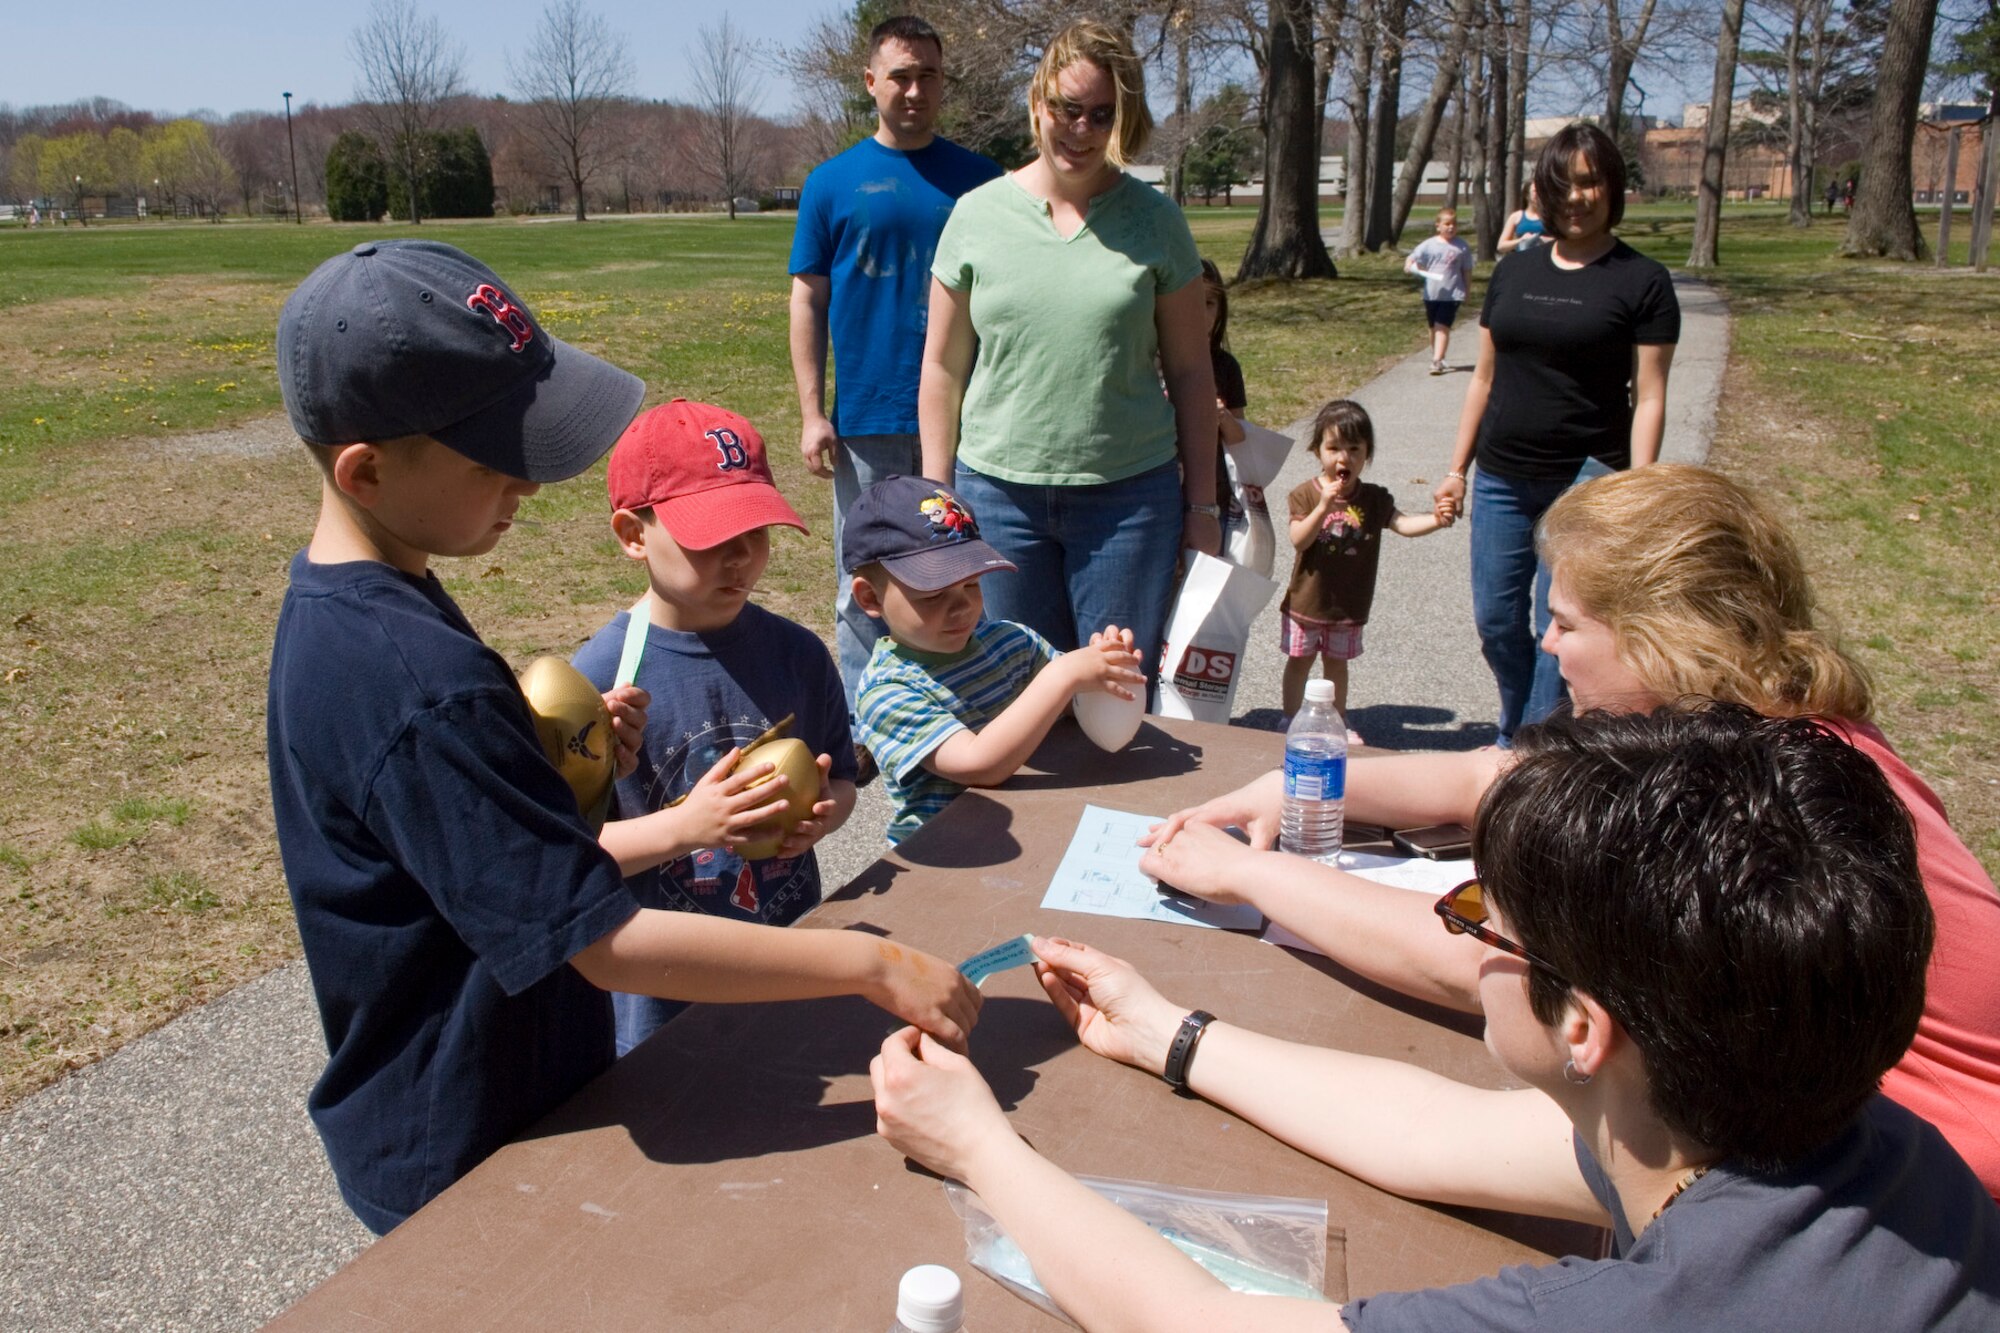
<point>1464,913</point>
<point>1067,112</point>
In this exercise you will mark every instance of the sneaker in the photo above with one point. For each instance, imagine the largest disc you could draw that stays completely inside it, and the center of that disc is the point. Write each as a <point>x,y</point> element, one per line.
<point>864,765</point>
<point>1437,367</point>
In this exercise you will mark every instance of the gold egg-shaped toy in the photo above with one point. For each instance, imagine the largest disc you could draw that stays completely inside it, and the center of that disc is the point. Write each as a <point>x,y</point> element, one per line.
<point>794,759</point>
<point>575,731</point>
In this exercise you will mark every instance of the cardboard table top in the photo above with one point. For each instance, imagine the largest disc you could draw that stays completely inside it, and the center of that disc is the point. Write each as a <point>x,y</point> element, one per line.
<point>726,1175</point>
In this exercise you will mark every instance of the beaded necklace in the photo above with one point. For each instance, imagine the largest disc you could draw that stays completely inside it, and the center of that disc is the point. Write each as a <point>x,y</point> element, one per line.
<point>1693,1175</point>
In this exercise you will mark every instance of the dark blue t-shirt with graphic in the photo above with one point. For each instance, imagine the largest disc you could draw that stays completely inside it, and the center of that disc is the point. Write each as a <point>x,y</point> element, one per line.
<point>712,692</point>
<point>442,878</point>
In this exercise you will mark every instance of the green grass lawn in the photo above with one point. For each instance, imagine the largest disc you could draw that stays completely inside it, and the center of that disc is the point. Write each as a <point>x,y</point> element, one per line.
<point>140,572</point>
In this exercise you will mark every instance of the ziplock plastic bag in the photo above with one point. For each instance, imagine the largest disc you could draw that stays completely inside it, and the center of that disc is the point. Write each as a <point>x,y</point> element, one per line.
<point>1206,636</point>
<point>1264,1244</point>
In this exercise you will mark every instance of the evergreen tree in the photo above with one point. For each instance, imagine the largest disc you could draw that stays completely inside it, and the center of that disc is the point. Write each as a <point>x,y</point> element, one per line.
<point>357,179</point>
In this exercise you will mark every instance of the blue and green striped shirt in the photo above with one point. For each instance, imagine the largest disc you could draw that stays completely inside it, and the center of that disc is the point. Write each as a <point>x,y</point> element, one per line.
<point>910,702</point>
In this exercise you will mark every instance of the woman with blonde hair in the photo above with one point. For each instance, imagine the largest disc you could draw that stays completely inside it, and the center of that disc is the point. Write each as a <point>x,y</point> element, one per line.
<point>1078,286</point>
<point>1668,582</point>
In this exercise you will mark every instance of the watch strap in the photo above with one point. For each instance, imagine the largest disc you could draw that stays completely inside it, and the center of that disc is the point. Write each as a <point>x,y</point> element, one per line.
<point>1181,1054</point>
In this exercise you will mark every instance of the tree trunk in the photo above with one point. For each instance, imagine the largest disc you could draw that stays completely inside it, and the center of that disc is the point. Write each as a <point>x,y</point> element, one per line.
<point>1493,202</point>
<point>1361,75</point>
<point>1944,200</point>
<point>1326,55</point>
<point>1457,140</point>
<point>1286,242</point>
<point>1797,160</point>
<point>1517,100</point>
<point>1623,52</point>
<point>1388,108</point>
<point>1989,174</point>
<point>1475,109</point>
<point>1418,159</point>
<point>1715,140</point>
<point>1183,108</point>
<point>1884,221</point>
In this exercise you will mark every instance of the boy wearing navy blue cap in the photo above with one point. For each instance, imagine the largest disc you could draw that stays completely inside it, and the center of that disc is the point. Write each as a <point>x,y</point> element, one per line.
<point>948,699</point>
<point>460,921</point>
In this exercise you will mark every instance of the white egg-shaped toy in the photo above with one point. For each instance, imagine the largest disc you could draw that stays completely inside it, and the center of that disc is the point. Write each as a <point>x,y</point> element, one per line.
<point>1109,721</point>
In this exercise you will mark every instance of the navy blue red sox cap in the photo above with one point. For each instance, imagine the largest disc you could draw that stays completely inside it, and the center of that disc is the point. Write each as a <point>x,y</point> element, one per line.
<point>919,531</point>
<point>398,338</point>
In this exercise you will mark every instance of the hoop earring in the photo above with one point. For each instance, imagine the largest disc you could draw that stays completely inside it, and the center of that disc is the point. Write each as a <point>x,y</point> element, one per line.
<point>1572,1075</point>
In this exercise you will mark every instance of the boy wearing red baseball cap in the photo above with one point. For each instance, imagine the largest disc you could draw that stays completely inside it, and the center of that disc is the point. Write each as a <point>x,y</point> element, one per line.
<point>693,500</point>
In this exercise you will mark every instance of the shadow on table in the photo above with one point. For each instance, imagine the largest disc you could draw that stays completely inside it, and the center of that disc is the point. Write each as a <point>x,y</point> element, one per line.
<point>776,1065</point>
<point>1393,727</point>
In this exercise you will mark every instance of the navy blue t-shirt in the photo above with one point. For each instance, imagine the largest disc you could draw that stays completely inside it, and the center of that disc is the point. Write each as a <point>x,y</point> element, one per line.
<point>442,878</point>
<point>1883,1228</point>
<point>711,692</point>
<point>869,220</point>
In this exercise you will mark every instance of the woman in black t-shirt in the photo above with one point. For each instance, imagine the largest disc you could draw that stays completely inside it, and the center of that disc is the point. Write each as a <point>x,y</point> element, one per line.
<point>1575,342</point>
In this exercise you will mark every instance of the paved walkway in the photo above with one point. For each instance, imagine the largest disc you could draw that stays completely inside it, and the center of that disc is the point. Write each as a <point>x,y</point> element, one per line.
<point>179,1185</point>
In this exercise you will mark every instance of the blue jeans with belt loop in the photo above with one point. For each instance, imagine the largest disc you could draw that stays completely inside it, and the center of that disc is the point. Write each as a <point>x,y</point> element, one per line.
<point>1510,592</point>
<point>1088,556</point>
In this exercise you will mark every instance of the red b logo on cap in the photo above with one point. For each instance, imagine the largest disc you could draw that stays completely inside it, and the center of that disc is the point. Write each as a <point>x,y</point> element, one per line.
<point>511,317</point>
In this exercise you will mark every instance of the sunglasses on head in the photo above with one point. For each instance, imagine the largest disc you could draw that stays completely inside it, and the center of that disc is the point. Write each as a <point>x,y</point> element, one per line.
<point>1067,112</point>
<point>1464,913</point>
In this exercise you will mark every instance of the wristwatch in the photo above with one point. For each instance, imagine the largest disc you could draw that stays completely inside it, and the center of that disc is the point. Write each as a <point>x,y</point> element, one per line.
<point>1213,511</point>
<point>1181,1054</point>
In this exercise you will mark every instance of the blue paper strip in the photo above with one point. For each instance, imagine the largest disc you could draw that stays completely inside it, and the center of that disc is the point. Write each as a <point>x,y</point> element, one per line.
<point>1002,956</point>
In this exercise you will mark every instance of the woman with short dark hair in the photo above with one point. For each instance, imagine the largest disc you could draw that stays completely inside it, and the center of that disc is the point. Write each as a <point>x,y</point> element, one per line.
<point>1576,339</point>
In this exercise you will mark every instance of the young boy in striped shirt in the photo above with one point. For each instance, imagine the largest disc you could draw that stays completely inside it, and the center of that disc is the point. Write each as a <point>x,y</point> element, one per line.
<point>950,700</point>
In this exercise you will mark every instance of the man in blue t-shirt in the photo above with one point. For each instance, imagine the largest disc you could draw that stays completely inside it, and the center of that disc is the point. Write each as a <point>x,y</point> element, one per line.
<point>869,220</point>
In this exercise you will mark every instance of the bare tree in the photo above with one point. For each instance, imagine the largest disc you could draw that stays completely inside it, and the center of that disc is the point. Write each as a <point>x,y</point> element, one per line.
<point>1286,242</point>
<point>1625,33</point>
<point>1382,137</point>
<point>1450,62</point>
<point>574,71</point>
<point>726,148</point>
<point>1715,141</point>
<point>1359,162</point>
<point>1494,202</point>
<point>408,70</point>
<point>1884,221</point>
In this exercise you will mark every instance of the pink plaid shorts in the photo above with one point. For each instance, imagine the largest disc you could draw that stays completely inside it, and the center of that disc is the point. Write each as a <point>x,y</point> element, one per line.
<point>1299,637</point>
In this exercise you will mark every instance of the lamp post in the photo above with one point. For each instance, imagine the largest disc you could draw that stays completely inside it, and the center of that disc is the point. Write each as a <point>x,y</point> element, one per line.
<point>297,216</point>
<point>80,217</point>
<point>154,205</point>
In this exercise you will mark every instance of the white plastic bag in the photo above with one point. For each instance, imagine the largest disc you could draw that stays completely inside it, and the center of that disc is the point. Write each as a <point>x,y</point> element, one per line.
<point>1253,464</point>
<point>1264,1244</point>
<point>1206,636</point>
<point>1251,541</point>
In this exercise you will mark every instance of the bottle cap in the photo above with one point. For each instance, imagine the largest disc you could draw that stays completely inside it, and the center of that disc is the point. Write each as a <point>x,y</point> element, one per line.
<point>930,1300</point>
<point>1319,691</point>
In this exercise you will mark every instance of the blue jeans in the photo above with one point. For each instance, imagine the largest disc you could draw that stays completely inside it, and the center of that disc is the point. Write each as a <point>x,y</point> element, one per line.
<point>1510,592</point>
<point>1089,556</point>
<point>859,461</point>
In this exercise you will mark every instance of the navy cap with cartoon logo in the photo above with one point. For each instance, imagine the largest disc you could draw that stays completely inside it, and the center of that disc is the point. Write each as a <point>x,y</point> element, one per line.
<point>397,338</point>
<point>918,530</point>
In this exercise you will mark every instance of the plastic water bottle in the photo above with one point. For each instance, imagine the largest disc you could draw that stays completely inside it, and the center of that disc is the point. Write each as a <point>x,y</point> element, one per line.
<point>929,1300</point>
<point>1315,777</point>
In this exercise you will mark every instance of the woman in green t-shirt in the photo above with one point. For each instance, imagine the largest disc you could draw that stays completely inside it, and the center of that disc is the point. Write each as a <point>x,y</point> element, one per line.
<point>1076,284</point>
